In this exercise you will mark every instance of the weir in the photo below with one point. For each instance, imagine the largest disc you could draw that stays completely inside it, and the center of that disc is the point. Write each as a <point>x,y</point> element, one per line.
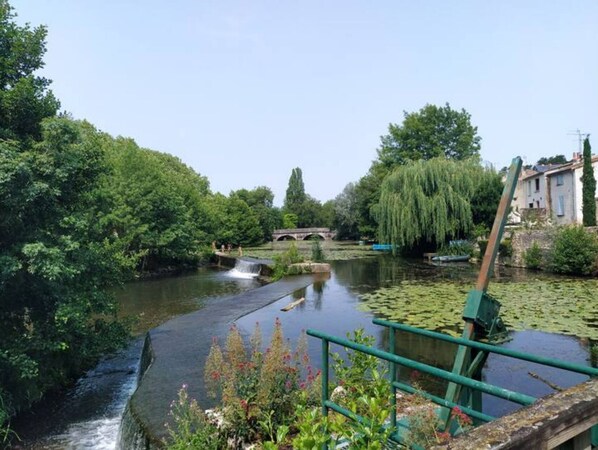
<point>245,268</point>
<point>174,354</point>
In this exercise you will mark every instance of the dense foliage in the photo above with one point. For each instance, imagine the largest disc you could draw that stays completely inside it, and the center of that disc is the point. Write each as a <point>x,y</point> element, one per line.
<point>301,209</point>
<point>575,251</point>
<point>425,203</point>
<point>588,182</point>
<point>260,200</point>
<point>431,132</point>
<point>55,260</point>
<point>82,211</point>
<point>24,97</point>
<point>556,159</point>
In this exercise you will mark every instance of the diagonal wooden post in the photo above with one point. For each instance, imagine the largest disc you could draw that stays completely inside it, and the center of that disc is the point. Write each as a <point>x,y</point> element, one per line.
<point>463,358</point>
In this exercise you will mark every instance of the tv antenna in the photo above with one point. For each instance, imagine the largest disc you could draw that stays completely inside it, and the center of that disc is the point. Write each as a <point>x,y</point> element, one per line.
<point>580,137</point>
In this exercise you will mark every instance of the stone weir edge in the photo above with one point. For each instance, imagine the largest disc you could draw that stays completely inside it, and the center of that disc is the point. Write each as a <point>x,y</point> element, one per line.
<point>143,437</point>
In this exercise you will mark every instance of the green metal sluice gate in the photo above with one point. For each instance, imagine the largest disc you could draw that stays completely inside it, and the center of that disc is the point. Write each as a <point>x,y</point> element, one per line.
<point>483,330</point>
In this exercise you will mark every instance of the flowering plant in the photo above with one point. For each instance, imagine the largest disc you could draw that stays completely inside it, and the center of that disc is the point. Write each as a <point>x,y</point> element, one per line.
<point>259,387</point>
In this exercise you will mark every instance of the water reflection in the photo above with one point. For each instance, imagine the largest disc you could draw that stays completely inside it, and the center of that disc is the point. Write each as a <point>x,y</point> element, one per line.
<point>152,302</point>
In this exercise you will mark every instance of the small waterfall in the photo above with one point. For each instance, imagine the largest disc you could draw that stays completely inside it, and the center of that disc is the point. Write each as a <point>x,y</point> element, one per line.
<point>245,268</point>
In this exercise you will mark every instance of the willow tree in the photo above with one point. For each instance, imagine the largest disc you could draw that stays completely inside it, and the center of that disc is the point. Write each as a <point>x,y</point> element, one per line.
<point>424,203</point>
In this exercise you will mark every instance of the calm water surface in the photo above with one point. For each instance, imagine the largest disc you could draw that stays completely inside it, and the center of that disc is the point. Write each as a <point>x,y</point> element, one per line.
<point>87,416</point>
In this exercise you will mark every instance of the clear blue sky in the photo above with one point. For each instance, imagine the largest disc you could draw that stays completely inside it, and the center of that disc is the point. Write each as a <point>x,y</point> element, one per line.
<point>243,91</point>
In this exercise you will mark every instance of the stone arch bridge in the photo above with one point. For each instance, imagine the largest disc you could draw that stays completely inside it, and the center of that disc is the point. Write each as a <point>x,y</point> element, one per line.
<point>302,234</point>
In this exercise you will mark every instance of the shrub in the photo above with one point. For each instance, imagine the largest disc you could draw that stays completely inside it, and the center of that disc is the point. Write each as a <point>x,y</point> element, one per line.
<point>317,254</point>
<point>284,260</point>
<point>575,251</point>
<point>533,256</point>
<point>505,248</point>
<point>192,429</point>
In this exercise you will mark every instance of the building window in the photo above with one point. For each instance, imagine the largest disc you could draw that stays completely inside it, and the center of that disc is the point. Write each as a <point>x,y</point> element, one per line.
<point>529,188</point>
<point>560,206</point>
<point>560,179</point>
<point>537,184</point>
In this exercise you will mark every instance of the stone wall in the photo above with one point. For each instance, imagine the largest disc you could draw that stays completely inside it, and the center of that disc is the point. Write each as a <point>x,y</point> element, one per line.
<point>524,239</point>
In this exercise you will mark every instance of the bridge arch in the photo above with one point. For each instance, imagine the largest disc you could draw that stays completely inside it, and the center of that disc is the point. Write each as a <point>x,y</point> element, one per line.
<point>286,237</point>
<point>311,235</point>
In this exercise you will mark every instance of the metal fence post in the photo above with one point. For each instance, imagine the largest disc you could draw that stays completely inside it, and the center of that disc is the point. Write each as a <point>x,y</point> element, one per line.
<point>393,378</point>
<point>325,375</point>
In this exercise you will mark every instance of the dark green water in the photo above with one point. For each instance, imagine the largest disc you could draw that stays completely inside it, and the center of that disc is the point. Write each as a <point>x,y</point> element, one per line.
<point>152,302</point>
<point>88,415</point>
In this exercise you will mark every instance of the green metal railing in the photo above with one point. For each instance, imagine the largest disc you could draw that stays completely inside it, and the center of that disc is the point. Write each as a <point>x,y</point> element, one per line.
<point>396,360</point>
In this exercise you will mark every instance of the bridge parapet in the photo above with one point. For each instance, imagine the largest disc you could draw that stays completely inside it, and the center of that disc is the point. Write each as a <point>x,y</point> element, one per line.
<point>300,234</point>
<point>548,423</point>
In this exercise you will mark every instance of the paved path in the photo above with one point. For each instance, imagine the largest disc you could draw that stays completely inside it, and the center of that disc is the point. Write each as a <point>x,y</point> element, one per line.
<point>180,347</point>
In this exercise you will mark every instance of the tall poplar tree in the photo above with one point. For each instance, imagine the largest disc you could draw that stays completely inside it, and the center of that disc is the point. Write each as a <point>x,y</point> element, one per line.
<point>295,196</point>
<point>588,186</point>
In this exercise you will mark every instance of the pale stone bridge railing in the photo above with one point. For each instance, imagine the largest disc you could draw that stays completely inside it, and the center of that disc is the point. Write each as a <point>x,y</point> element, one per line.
<point>564,417</point>
<point>301,234</point>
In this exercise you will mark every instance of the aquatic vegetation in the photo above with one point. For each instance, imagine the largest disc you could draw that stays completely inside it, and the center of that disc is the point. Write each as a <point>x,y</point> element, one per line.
<point>566,306</point>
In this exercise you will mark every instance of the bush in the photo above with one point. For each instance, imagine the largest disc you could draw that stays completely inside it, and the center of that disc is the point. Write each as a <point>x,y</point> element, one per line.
<point>192,429</point>
<point>575,251</point>
<point>505,248</point>
<point>317,254</point>
<point>533,256</point>
<point>284,260</point>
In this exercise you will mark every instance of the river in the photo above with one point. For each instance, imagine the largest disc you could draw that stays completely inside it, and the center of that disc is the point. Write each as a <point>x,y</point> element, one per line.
<point>87,416</point>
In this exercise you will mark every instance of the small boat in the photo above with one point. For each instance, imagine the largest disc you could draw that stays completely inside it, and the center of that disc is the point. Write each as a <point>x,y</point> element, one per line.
<point>451,258</point>
<point>382,247</point>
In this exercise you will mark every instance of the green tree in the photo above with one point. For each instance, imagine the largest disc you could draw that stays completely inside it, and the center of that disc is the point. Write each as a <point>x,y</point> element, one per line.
<point>557,159</point>
<point>289,221</point>
<point>234,222</point>
<point>56,264</point>
<point>588,182</point>
<point>367,192</point>
<point>260,200</point>
<point>484,202</point>
<point>24,97</point>
<point>295,195</point>
<point>310,213</point>
<point>431,132</point>
<point>155,204</point>
<point>346,213</point>
<point>424,203</point>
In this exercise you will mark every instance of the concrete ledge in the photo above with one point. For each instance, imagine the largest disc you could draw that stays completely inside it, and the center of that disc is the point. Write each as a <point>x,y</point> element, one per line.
<point>309,267</point>
<point>546,424</point>
<point>174,354</point>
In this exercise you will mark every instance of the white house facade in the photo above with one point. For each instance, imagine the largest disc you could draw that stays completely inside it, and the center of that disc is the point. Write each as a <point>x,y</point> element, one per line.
<point>565,191</point>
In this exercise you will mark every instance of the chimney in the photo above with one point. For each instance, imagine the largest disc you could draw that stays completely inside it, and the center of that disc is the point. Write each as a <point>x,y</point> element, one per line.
<point>576,156</point>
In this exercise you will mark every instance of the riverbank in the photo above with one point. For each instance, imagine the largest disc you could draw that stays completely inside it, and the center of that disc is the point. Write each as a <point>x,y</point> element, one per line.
<point>174,354</point>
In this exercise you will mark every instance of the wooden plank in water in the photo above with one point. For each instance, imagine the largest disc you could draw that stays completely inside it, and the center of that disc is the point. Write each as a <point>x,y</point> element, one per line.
<point>293,304</point>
